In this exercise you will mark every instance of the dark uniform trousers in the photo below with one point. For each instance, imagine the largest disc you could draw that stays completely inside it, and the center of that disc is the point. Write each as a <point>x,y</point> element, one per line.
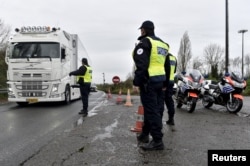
<point>152,99</point>
<point>169,100</point>
<point>85,90</point>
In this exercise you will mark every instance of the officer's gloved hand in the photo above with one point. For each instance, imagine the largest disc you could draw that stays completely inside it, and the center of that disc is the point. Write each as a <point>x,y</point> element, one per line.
<point>70,74</point>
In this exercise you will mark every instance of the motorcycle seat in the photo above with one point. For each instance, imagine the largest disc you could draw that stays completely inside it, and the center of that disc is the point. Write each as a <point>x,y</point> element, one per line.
<point>213,86</point>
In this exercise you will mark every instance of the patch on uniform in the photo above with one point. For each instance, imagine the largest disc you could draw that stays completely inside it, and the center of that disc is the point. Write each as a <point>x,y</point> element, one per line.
<point>139,51</point>
<point>162,51</point>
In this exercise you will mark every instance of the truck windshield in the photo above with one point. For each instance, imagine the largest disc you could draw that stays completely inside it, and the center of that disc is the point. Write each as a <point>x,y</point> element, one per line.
<point>35,50</point>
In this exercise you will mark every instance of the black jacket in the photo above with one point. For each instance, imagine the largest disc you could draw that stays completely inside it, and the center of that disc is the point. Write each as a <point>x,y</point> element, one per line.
<point>80,72</point>
<point>141,56</point>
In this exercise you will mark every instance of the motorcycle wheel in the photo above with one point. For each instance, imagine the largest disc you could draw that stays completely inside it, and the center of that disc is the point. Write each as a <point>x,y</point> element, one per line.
<point>179,105</point>
<point>206,104</point>
<point>234,106</point>
<point>191,105</point>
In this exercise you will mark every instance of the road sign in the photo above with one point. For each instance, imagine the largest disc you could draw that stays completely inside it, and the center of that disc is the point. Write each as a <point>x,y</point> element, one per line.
<point>116,80</point>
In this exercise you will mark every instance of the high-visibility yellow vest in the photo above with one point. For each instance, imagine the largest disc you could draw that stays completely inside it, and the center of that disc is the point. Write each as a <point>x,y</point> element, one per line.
<point>158,55</point>
<point>172,67</point>
<point>88,75</point>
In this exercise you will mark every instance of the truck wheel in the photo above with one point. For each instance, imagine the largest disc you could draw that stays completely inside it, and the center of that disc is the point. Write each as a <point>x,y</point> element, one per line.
<point>67,95</point>
<point>22,104</point>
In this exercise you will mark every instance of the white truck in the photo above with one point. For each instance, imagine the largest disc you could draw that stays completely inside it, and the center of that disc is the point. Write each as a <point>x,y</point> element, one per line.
<point>39,61</point>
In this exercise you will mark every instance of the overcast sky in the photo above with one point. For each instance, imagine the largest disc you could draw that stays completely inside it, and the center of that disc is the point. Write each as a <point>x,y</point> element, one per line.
<point>108,29</point>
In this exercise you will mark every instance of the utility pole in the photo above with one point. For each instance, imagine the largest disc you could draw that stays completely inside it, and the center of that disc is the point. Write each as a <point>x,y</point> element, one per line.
<point>242,65</point>
<point>103,74</point>
<point>227,46</point>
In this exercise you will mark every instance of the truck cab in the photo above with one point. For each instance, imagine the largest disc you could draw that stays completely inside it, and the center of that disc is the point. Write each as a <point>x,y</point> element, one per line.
<point>39,60</point>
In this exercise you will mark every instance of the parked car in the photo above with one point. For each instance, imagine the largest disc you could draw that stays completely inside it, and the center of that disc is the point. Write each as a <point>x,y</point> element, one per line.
<point>93,88</point>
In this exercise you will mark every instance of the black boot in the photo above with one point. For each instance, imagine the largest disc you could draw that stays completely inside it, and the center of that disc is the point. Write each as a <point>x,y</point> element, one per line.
<point>170,122</point>
<point>142,138</point>
<point>153,146</point>
<point>83,113</point>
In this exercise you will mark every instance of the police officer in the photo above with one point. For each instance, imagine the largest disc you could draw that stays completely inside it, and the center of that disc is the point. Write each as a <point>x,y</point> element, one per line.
<point>84,78</point>
<point>149,56</point>
<point>170,70</point>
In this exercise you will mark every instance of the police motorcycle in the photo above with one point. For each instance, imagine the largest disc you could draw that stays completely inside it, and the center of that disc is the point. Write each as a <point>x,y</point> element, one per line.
<point>226,93</point>
<point>188,89</point>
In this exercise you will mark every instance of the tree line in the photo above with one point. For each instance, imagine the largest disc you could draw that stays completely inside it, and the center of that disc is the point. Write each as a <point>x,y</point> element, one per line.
<point>212,62</point>
<point>4,36</point>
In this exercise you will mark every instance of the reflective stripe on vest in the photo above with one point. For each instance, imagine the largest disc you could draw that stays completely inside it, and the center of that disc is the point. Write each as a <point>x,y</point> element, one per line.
<point>88,75</point>
<point>158,55</point>
<point>172,67</point>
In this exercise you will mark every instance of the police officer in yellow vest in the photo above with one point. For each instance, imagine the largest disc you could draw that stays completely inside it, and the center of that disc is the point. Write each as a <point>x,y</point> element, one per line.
<point>149,56</point>
<point>84,78</point>
<point>170,70</point>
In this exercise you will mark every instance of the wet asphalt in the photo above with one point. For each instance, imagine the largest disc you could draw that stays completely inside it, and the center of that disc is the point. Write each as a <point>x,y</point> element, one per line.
<point>104,137</point>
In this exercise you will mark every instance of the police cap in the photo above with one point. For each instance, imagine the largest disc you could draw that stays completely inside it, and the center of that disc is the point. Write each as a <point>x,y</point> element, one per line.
<point>147,25</point>
<point>84,60</point>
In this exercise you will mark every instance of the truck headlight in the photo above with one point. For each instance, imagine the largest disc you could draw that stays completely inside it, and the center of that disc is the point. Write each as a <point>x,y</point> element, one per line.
<point>10,89</point>
<point>55,88</point>
<point>10,92</point>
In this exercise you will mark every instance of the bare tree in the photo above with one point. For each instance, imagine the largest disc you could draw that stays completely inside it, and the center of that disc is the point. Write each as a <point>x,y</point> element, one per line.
<point>247,62</point>
<point>197,63</point>
<point>184,53</point>
<point>221,67</point>
<point>213,56</point>
<point>235,62</point>
<point>4,34</point>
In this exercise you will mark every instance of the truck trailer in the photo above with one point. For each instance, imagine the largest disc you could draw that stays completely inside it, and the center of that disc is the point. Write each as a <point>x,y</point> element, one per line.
<point>39,61</point>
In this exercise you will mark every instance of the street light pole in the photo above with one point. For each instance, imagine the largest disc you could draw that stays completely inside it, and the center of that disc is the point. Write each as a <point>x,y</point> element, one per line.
<point>227,40</point>
<point>242,66</point>
<point>103,78</point>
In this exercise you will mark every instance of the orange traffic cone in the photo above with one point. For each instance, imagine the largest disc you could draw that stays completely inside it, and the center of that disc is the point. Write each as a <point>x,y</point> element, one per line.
<point>128,99</point>
<point>109,94</point>
<point>139,122</point>
<point>119,98</point>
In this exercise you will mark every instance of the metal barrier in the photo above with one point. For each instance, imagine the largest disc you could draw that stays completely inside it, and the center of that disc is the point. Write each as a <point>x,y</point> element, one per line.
<point>3,90</point>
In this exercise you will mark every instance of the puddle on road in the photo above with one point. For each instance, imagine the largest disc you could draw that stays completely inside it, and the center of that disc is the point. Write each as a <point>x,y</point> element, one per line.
<point>91,113</point>
<point>241,114</point>
<point>79,121</point>
<point>108,131</point>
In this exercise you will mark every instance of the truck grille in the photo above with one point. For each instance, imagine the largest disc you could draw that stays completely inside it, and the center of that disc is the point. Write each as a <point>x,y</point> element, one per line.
<point>32,89</point>
<point>32,94</point>
<point>32,76</point>
<point>31,85</point>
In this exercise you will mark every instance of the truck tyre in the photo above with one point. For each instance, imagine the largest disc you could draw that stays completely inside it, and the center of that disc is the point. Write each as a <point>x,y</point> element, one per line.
<point>22,104</point>
<point>67,95</point>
